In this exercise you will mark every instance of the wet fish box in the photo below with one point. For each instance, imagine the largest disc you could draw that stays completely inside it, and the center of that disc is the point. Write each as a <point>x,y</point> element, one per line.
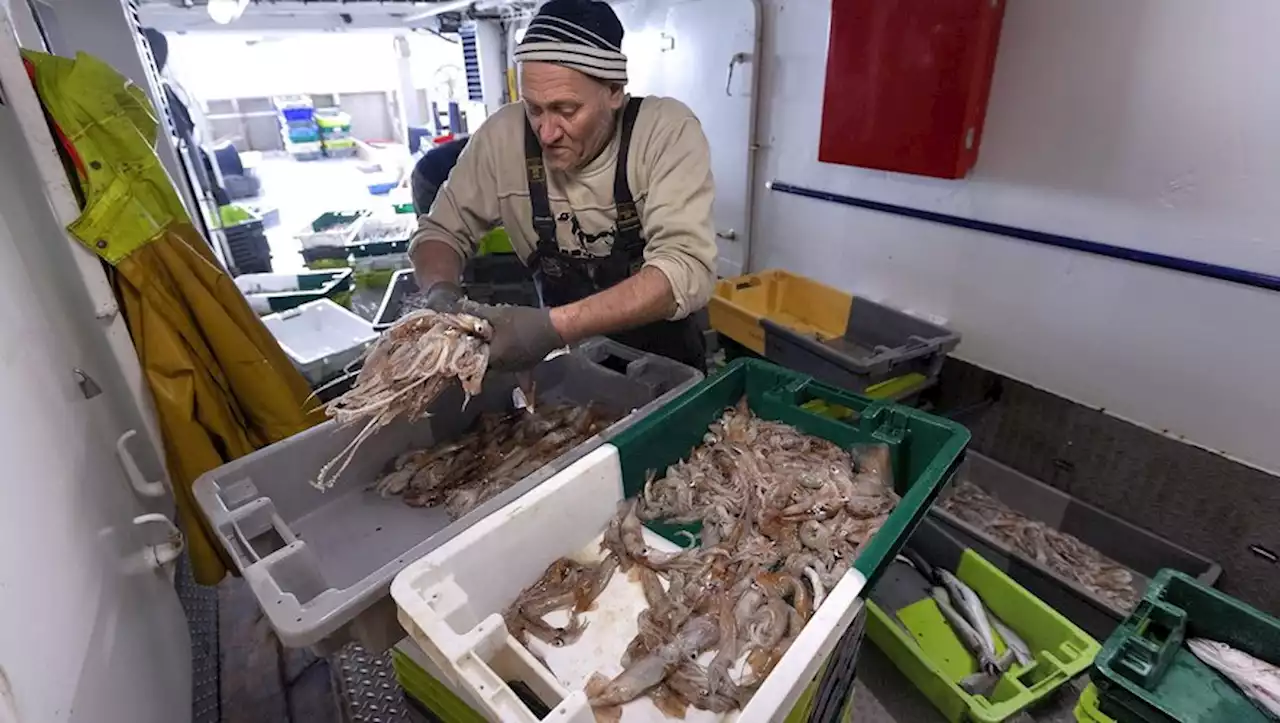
<point>321,563</point>
<point>269,293</point>
<point>1146,673</point>
<point>321,338</point>
<point>1141,552</point>
<point>911,628</point>
<point>332,229</point>
<point>451,601</point>
<point>382,236</point>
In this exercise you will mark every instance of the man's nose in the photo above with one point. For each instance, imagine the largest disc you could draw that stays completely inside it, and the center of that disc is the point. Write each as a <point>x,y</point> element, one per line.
<point>549,131</point>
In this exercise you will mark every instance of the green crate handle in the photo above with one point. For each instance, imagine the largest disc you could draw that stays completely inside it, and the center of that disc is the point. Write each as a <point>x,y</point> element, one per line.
<point>1146,654</point>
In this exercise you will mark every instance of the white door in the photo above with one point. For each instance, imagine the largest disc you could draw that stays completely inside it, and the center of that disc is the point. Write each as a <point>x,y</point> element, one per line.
<point>89,631</point>
<point>703,52</point>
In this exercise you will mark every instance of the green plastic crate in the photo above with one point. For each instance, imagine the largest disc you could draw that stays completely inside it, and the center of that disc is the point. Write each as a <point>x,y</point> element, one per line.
<point>431,693</point>
<point>1145,673</point>
<point>925,450</point>
<point>1086,709</point>
<point>331,219</point>
<point>935,661</point>
<point>495,242</point>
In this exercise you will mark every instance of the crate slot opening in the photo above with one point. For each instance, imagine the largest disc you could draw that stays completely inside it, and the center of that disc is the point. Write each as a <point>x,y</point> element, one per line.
<point>1036,674</point>
<point>297,574</point>
<point>532,689</point>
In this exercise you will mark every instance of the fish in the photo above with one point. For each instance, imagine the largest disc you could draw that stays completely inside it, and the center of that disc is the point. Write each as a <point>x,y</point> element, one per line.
<point>564,585</point>
<point>1065,554</point>
<point>963,630</point>
<point>1257,679</point>
<point>498,450</point>
<point>641,675</point>
<point>404,372</point>
<point>967,602</point>
<point>1021,651</point>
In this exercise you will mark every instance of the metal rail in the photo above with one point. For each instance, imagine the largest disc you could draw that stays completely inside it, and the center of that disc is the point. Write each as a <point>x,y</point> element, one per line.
<point>1244,277</point>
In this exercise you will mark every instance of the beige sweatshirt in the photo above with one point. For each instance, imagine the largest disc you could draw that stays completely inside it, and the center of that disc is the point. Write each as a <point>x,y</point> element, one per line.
<point>670,176</point>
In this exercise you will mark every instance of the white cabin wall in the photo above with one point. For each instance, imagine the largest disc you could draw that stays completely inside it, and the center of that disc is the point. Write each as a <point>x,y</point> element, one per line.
<point>1148,124</point>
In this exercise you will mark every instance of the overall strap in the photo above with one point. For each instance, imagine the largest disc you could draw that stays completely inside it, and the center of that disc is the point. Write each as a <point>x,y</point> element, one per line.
<point>628,238</point>
<point>543,223</point>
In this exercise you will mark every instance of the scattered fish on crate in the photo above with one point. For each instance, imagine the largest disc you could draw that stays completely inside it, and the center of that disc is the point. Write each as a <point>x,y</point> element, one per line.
<point>1065,554</point>
<point>781,516</point>
<point>502,449</point>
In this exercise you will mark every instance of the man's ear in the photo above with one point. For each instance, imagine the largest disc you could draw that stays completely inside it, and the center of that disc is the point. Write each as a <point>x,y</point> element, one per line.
<point>617,93</point>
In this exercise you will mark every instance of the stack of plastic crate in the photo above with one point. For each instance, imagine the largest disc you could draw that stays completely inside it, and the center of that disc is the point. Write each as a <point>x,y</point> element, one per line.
<point>247,242</point>
<point>298,127</point>
<point>335,133</point>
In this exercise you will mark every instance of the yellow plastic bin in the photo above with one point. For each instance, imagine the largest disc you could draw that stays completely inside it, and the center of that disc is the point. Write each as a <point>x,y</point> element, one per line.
<point>847,341</point>
<point>800,303</point>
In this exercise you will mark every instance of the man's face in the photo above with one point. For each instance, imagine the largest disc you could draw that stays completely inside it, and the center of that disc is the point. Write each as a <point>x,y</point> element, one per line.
<point>571,112</point>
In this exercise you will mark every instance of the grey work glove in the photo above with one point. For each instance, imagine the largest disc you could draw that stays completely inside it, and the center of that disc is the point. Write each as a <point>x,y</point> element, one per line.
<point>522,335</point>
<point>442,296</point>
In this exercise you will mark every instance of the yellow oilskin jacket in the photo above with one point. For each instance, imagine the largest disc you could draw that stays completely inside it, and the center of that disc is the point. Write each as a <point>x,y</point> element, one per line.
<point>220,383</point>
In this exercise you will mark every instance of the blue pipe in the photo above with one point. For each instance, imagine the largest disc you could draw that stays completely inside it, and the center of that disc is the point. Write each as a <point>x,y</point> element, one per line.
<point>1255,279</point>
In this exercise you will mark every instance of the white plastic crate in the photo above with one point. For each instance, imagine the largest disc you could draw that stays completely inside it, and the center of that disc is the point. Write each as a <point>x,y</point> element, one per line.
<point>397,227</point>
<point>339,236</point>
<point>451,602</point>
<point>321,338</point>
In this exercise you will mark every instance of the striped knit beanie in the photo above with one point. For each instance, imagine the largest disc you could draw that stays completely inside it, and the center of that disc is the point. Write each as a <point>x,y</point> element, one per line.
<point>581,34</point>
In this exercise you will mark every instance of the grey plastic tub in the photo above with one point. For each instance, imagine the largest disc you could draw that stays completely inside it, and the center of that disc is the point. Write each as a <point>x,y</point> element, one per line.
<point>1143,552</point>
<point>321,563</point>
<point>879,343</point>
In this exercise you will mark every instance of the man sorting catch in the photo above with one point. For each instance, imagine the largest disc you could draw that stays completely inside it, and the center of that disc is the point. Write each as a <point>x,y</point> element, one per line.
<point>607,199</point>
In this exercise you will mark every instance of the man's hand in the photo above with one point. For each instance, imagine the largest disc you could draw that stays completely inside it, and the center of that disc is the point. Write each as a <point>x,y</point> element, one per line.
<point>443,296</point>
<point>522,335</point>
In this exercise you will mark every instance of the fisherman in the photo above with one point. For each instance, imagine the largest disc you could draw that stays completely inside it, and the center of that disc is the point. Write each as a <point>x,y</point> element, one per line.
<point>432,170</point>
<point>606,197</point>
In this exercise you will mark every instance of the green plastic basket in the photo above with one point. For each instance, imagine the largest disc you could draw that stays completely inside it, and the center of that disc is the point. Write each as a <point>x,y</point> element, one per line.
<point>1145,673</point>
<point>431,693</point>
<point>932,657</point>
<point>925,450</point>
<point>1086,709</point>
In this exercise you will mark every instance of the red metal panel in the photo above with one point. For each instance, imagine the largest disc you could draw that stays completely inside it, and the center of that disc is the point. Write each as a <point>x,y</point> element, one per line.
<point>907,83</point>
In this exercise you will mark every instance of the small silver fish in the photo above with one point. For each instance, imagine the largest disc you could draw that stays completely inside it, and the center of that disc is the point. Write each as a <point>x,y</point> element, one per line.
<point>970,606</point>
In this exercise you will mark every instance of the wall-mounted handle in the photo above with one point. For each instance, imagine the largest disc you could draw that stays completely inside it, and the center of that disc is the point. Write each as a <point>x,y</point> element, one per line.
<point>729,235</point>
<point>159,556</point>
<point>733,62</point>
<point>137,481</point>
